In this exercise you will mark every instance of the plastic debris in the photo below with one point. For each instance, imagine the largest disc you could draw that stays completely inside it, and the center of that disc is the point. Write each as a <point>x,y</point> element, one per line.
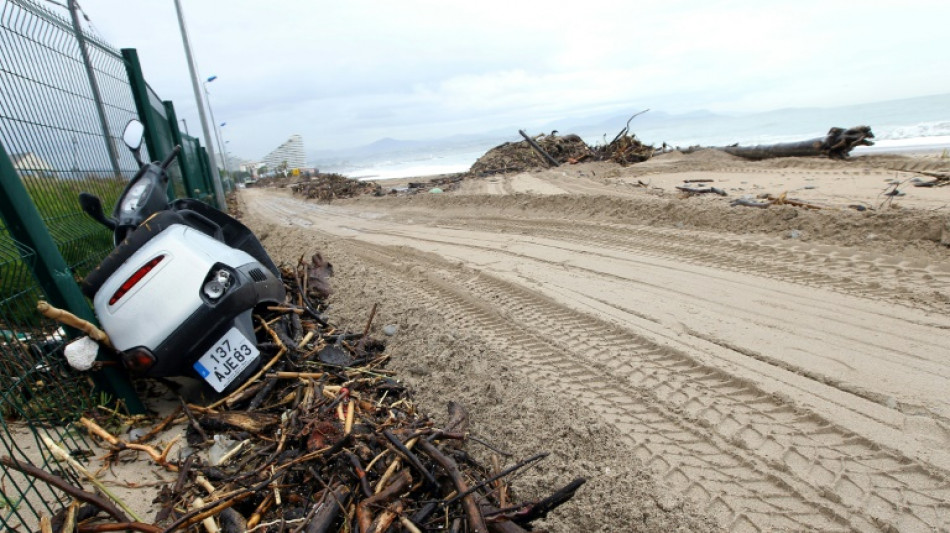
<point>81,353</point>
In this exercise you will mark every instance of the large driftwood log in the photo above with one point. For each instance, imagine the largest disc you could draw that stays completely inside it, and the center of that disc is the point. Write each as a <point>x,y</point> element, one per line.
<point>837,144</point>
<point>547,157</point>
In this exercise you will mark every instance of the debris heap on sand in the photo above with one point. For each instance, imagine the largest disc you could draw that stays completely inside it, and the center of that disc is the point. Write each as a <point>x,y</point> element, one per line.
<point>277,182</point>
<point>520,156</point>
<point>552,150</point>
<point>321,186</point>
<point>445,183</point>
<point>625,149</point>
<point>323,438</point>
<point>326,187</point>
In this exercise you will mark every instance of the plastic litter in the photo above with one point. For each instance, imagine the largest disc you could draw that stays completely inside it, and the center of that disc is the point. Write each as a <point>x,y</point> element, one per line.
<point>81,353</point>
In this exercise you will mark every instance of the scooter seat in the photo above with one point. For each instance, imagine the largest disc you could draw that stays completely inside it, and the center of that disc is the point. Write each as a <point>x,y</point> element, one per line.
<point>131,244</point>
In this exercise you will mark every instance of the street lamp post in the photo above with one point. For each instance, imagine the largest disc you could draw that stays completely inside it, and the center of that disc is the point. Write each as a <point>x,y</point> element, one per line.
<point>193,70</point>
<point>217,134</point>
<point>224,147</point>
<point>227,157</point>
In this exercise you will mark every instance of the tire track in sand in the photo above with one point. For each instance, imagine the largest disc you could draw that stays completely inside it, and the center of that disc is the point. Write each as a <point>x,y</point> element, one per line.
<point>835,268</point>
<point>825,355</point>
<point>748,458</point>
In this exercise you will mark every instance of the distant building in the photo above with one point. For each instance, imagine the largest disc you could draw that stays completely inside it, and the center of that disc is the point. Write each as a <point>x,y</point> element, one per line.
<point>290,151</point>
<point>30,164</point>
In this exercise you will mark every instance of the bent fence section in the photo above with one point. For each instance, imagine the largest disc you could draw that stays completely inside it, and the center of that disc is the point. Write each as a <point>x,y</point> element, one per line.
<point>65,98</point>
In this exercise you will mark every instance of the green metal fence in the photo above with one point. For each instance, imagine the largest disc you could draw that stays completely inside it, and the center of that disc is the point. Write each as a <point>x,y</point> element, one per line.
<point>65,98</point>
<point>190,173</point>
<point>192,161</point>
<point>38,395</point>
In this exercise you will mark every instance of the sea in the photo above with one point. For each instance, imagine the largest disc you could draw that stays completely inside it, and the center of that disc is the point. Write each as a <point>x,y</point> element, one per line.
<point>915,124</point>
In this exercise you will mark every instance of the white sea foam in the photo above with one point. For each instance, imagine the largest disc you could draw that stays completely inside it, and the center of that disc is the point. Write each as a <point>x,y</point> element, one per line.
<point>939,128</point>
<point>409,171</point>
<point>910,144</point>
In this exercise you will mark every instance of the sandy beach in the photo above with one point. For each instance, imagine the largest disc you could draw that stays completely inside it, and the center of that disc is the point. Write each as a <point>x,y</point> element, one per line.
<point>706,366</point>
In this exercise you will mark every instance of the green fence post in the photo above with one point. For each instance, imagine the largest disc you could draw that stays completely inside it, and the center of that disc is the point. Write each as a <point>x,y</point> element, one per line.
<point>24,223</point>
<point>144,108</point>
<point>140,95</point>
<point>191,187</point>
<point>206,175</point>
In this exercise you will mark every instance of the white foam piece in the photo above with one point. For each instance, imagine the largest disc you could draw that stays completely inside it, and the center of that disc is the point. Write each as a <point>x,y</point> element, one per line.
<point>81,353</point>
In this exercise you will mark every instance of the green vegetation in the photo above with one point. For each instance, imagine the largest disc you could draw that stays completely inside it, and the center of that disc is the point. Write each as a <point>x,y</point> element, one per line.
<point>82,241</point>
<point>32,387</point>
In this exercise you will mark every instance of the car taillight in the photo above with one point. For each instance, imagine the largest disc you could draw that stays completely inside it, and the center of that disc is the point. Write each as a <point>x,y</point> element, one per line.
<point>138,359</point>
<point>135,278</point>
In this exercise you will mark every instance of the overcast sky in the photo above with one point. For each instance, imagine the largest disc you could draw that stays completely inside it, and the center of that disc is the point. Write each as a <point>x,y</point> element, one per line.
<point>347,73</point>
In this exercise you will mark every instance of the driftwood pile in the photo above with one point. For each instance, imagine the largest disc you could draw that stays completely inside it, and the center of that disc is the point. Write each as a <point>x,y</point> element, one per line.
<point>447,182</point>
<point>625,148</point>
<point>523,155</point>
<point>323,438</point>
<point>553,150</point>
<point>327,187</point>
<point>277,182</point>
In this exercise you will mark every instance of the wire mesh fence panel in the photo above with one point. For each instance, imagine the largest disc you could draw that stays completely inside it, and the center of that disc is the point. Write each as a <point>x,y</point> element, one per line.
<point>60,144</point>
<point>50,125</point>
<point>39,394</point>
<point>192,158</point>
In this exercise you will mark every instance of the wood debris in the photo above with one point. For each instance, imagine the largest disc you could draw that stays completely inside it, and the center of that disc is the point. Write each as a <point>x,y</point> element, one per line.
<point>447,182</point>
<point>691,190</point>
<point>325,438</point>
<point>940,179</point>
<point>836,144</point>
<point>521,156</point>
<point>321,186</point>
<point>768,200</point>
<point>551,150</point>
<point>543,151</point>
<point>327,187</point>
<point>626,149</point>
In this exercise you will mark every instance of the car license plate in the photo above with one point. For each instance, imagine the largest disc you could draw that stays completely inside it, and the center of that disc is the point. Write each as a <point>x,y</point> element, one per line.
<point>224,361</point>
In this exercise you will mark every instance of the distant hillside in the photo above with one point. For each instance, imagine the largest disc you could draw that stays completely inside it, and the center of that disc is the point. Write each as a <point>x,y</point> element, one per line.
<point>389,145</point>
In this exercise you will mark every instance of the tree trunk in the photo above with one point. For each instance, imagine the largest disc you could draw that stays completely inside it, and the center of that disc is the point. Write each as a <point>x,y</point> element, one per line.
<point>837,144</point>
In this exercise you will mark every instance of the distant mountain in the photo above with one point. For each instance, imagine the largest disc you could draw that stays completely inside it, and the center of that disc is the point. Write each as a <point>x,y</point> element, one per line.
<point>389,145</point>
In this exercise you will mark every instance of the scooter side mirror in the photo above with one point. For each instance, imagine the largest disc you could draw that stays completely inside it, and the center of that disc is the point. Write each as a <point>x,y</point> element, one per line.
<point>133,135</point>
<point>92,206</point>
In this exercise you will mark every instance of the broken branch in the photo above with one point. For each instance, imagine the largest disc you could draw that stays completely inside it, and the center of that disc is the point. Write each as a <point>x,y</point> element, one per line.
<point>66,318</point>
